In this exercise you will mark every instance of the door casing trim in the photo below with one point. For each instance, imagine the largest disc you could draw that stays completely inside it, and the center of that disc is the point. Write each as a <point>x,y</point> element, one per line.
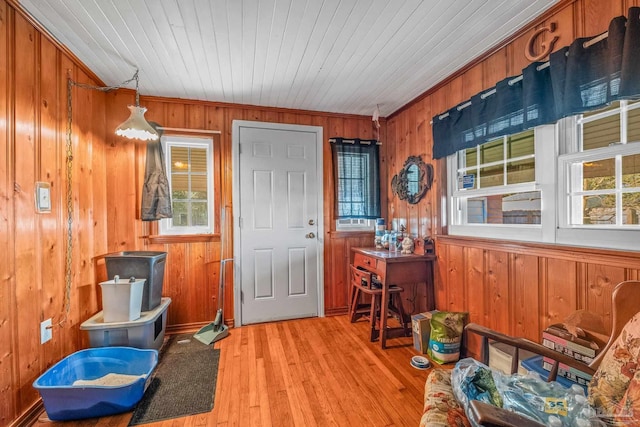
<point>235,165</point>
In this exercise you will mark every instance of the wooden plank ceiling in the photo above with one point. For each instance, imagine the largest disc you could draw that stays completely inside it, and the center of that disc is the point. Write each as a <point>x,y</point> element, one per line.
<point>344,56</point>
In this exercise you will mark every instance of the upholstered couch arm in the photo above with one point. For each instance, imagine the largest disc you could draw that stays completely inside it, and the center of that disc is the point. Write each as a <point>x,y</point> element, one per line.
<point>442,409</point>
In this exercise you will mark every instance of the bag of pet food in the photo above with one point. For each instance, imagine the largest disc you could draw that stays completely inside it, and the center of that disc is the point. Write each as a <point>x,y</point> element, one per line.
<point>446,335</point>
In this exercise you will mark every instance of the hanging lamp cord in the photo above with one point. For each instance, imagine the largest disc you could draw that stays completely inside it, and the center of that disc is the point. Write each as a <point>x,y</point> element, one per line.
<point>69,170</point>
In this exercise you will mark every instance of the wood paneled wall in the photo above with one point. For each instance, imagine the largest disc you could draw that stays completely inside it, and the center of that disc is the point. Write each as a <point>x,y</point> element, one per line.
<point>33,113</point>
<point>521,288</point>
<point>191,278</point>
<point>515,288</point>
<point>107,178</point>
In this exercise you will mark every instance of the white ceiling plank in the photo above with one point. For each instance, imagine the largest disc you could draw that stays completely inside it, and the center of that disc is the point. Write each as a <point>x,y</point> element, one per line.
<point>339,33</point>
<point>344,56</point>
<point>221,30</point>
<point>300,26</point>
<point>276,31</point>
<point>117,35</point>
<point>356,49</point>
<point>174,11</point>
<point>214,87</point>
<point>160,65</point>
<point>328,35</point>
<point>439,35</point>
<point>380,48</point>
<point>248,42</point>
<point>389,57</point>
<point>235,14</point>
<point>263,26</point>
<point>193,29</point>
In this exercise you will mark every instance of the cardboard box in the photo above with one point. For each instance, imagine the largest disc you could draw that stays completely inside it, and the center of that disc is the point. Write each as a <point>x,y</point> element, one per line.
<point>500,355</point>
<point>535,364</point>
<point>557,338</point>
<point>421,327</point>
<point>567,372</point>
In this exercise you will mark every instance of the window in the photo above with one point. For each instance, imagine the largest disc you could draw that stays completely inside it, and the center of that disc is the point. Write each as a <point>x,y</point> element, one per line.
<point>189,165</point>
<point>574,183</point>
<point>600,178</point>
<point>497,168</point>
<point>495,189</point>
<point>357,184</point>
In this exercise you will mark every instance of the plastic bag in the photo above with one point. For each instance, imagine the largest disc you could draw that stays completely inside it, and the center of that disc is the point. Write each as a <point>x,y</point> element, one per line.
<point>548,403</point>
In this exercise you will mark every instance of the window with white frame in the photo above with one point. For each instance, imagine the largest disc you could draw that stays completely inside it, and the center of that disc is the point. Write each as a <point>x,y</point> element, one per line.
<point>497,186</point>
<point>189,165</point>
<point>574,183</point>
<point>599,185</point>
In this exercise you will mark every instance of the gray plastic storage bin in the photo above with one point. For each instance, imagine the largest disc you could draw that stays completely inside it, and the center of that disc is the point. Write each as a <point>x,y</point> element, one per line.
<point>145,332</point>
<point>141,265</point>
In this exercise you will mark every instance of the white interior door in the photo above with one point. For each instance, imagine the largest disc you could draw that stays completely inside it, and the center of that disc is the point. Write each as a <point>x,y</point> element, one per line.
<point>278,222</point>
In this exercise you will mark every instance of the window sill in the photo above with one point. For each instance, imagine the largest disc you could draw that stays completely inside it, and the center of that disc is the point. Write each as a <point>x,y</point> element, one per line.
<point>183,238</point>
<point>351,233</point>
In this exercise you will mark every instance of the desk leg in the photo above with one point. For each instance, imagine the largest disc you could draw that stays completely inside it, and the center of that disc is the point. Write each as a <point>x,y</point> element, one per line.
<point>431,288</point>
<point>383,316</point>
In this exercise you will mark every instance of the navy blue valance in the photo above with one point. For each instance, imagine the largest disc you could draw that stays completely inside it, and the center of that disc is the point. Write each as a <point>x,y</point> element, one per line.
<point>577,78</point>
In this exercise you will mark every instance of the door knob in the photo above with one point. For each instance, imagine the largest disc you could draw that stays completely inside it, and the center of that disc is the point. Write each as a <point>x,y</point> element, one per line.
<point>310,236</point>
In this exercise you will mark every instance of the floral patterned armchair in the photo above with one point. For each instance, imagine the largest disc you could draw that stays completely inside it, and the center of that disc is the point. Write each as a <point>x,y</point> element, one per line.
<point>614,389</point>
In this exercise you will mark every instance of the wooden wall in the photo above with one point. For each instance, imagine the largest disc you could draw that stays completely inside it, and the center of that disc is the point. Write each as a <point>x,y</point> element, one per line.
<point>515,288</point>
<point>191,279</point>
<point>106,181</point>
<point>33,112</point>
<point>512,287</point>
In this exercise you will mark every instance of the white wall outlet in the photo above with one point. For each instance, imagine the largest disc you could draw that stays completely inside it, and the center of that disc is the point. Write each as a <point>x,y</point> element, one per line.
<point>46,331</point>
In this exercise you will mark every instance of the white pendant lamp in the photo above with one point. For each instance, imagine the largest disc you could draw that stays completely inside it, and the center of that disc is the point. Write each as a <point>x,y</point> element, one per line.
<point>136,126</point>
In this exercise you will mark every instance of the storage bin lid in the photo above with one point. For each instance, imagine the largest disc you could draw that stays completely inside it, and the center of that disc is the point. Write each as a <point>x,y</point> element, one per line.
<point>137,254</point>
<point>97,320</point>
<point>124,282</point>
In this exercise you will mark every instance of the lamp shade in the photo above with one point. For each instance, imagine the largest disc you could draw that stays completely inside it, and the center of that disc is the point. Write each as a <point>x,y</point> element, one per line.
<point>136,126</point>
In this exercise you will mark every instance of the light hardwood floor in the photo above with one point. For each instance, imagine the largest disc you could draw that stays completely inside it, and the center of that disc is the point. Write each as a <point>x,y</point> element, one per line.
<point>308,372</point>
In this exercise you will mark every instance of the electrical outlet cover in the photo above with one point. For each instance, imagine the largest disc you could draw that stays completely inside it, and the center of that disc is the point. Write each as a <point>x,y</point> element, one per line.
<point>46,333</point>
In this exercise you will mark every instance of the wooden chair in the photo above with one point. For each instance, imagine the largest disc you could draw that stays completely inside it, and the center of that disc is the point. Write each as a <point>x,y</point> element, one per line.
<point>362,283</point>
<point>625,304</point>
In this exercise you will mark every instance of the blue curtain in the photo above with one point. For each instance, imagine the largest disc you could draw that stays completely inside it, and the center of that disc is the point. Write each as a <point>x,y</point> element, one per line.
<point>356,177</point>
<point>576,79</point>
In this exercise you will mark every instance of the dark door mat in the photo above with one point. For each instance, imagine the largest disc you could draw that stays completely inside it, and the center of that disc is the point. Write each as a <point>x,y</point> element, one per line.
<point>184,382</point>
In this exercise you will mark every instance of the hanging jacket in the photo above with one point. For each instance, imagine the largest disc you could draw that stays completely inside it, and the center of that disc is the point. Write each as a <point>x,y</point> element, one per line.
<point>156,194</point>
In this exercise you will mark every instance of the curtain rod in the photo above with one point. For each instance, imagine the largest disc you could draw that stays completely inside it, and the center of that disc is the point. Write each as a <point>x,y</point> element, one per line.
<point>540,67</point>
<point>353,141</point>
<point>217,132</point>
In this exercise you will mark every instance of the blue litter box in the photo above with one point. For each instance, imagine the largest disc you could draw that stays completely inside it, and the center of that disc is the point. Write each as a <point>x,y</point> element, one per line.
<point>65,401</point>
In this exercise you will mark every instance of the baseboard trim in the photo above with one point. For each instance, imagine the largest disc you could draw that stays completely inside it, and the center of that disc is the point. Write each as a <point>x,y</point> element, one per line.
<point>30,416</point>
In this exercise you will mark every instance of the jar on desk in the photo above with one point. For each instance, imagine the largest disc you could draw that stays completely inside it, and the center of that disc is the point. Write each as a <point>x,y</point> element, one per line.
<point>393,241</point>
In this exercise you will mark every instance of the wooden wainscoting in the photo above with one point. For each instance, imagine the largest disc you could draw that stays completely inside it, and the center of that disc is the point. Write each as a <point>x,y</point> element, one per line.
<point>521,288</point>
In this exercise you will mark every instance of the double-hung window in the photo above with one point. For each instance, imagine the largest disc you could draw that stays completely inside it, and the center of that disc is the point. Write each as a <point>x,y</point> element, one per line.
<point>189,166</point>
<point>499,186</point>
<point>599,178</point>
<point>573,183</point>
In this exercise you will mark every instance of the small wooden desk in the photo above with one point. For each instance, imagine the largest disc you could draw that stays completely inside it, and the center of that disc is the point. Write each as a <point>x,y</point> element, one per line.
<point>394,268</point>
